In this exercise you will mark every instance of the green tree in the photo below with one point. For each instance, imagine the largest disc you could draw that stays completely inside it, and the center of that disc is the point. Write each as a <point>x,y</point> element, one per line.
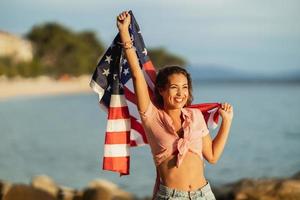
<point>62,51</point>
<point>59,51</point>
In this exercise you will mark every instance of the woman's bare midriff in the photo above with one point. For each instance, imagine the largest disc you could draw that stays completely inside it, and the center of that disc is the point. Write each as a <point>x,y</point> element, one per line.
<point>189,176</point>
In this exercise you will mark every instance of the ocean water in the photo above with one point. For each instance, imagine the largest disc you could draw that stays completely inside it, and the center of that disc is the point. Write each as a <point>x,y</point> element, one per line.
<point>62,136</point>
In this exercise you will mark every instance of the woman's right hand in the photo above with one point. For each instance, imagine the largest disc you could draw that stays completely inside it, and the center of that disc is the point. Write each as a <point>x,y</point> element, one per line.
<point>123,21</point>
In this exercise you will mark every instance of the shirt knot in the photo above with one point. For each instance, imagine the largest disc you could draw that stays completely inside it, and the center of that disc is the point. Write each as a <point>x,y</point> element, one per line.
<point>183,147</point>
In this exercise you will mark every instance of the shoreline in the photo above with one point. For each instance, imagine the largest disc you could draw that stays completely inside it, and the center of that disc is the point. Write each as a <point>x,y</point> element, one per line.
<point>42,86</point>
<point>42,186</point>
<point>46,86</point>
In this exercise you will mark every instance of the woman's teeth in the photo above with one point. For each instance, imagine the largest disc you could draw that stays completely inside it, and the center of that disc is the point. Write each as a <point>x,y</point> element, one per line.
<point>179,100</point>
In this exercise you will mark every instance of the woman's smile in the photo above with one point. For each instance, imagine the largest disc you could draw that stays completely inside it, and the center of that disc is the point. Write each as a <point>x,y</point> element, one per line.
<point>178,99</point>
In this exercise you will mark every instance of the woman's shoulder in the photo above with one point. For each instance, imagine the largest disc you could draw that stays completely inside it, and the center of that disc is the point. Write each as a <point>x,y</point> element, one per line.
<point>151,111</point>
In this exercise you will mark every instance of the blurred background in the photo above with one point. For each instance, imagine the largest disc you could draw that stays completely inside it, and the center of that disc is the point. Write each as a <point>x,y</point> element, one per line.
<point>244,52</point>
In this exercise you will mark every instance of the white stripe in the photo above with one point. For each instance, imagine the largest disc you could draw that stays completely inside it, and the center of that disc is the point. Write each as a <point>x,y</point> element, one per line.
<point>116,150</point>
<point>116,125</point>
<point>214,125</point>
<point>133,111</point>
<point>136,136</point>
<point>211,123</point>
<point>117,100</point>
<point>149,82</point>
<point>129,85</point>
<point>99,90</point>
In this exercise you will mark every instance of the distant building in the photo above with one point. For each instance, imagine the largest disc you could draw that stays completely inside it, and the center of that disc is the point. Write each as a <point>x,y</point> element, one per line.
<point>17,48</point>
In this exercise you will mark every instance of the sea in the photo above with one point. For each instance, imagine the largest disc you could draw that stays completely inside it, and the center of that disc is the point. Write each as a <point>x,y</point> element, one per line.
<point>62,137</point>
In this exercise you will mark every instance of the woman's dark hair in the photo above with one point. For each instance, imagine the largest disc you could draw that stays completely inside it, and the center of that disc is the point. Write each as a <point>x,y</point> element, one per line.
<point>162,79</point>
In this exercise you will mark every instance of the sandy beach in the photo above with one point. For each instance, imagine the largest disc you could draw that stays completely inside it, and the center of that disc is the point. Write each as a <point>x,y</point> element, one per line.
<point>43,85</point>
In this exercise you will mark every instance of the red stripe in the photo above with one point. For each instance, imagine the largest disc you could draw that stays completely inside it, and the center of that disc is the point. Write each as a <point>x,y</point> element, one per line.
<point>206,116</point>
<point>117,137</point>
<point>216,117</point>
<point>118,112</point>
<point>204,107</point>
<point>150,70</point>
<point>118,164</point>
<point>139,128</point>
<point>130,96</point>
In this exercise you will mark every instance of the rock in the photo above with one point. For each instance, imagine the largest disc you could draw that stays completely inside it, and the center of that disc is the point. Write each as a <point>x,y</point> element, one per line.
<point>260,189</point>
<point>44,188</point>
<point>66,193</point>
<point>77,195</point>
<point>101,183</point>
<point>4,188</point>
<point>288,187</point>
<point>97,193</point>
<point>103,189</point>
<point>25,192</point>
<point>224,192</point>
<point>45,183</point>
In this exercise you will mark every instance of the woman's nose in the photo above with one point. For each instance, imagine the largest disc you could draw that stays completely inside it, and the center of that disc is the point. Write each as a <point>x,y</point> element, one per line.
<point>179,92</point>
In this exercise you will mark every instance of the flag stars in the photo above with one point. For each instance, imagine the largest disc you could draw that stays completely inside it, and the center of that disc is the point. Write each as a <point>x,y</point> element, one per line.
<point>124,61</point>
<point>126,71</point>
<point>108,59</point>
<point>108,88</point>
<point>106,72</point>
<point>145,51</point>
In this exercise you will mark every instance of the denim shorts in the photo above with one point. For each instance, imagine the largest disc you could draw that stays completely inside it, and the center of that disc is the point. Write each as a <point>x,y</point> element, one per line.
<point>166,193</point>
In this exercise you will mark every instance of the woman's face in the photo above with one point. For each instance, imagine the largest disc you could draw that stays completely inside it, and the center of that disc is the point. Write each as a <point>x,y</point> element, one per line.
<point>176,92</point>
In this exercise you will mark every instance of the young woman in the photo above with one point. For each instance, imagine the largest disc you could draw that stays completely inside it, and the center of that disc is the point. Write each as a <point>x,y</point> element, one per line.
<point>178,136</point>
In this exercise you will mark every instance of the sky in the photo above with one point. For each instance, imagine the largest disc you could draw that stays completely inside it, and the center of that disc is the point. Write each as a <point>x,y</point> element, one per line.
<point>250,35</point>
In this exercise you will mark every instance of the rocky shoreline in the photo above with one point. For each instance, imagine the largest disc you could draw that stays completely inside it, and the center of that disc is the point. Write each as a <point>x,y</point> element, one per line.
<point>44,188</point>
<point>261,189</point>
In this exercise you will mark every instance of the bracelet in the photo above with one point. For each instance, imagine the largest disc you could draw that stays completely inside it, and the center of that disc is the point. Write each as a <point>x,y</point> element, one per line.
<point>129,46</point>
<point>126,45</point>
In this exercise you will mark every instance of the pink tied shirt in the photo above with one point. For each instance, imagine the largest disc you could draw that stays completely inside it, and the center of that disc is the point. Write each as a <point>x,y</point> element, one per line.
<point>163,139</point>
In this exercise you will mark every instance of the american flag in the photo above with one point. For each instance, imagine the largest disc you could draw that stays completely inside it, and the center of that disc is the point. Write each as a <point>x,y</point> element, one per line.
<point>112,81</point>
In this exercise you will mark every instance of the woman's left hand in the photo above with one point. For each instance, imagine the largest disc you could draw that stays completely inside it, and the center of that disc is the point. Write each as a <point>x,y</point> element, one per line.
<point>226,111</point>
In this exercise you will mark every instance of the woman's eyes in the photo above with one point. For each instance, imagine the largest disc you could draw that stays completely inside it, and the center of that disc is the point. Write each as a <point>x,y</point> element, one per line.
<point>175,87</point>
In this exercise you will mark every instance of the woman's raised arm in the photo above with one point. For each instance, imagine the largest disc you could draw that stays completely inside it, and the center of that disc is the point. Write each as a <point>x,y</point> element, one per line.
<point>139,82</point>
